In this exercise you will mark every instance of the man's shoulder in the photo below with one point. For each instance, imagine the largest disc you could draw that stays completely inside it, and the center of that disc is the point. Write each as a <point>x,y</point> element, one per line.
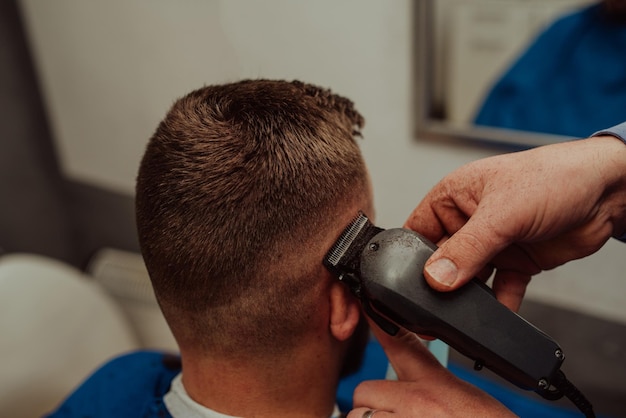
<point>132,384</point>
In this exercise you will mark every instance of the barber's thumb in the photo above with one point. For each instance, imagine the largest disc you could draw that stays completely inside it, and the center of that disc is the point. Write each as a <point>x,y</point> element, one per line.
<point>408,355</point>
<point>455,262</point>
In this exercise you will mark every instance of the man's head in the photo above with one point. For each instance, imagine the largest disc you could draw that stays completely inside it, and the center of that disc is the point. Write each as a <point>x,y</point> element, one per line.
<point>240,192</point>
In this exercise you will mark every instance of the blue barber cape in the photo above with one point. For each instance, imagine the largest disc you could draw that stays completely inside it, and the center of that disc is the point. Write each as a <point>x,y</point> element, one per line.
<point>132,385</point>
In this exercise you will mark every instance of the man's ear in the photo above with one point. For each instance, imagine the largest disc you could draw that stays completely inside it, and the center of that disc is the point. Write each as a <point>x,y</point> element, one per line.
<point>345,311</point>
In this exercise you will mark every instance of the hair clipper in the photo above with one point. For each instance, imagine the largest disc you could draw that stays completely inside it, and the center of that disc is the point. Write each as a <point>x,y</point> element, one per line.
<point>384,269</point>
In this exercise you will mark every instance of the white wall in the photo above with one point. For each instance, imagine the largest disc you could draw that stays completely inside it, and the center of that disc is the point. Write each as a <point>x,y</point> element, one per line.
<point>111,69</point>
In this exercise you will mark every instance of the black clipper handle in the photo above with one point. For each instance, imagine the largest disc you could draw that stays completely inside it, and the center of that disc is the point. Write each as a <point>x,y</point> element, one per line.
<point>469,319</point>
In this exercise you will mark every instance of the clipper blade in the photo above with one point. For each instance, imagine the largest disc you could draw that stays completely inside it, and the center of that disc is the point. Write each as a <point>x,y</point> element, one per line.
<point>344,255</point>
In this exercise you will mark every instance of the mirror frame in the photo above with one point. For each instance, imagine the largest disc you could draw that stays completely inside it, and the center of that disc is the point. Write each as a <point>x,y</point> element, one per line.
<point>429,127</point>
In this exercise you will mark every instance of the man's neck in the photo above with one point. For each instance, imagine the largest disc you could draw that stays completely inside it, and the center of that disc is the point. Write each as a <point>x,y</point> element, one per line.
<point>293,387</point>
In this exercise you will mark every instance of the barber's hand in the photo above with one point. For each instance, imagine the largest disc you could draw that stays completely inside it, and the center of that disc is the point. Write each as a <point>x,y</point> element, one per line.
<point>522,213</point>
<point>424,387</point>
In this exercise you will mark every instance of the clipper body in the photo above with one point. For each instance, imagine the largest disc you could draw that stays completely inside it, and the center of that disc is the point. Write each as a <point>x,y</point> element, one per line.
<point>384,268</point>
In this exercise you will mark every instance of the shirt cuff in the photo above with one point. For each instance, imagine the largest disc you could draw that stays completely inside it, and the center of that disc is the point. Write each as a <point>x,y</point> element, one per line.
<point>618,131</point>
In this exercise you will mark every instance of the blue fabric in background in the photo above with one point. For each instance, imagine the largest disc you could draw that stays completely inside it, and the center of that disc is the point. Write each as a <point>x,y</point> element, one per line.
<point>570,81</point>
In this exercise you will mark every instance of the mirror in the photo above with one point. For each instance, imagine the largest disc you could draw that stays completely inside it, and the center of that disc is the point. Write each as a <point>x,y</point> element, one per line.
<point>519,73</point>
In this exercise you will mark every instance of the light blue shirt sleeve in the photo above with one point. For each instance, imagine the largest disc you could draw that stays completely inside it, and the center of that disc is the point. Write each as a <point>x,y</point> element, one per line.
<point>618,131</point>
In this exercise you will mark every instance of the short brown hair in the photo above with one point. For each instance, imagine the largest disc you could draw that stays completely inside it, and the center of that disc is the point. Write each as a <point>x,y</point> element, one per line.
<point>235,177</point>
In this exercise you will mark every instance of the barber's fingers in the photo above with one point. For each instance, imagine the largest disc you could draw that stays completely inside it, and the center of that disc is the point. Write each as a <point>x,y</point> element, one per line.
<point>410,359</point>
<point>380,395</point>
<point>435,219</point>
<point>461,257</point>
<point>510,287</point>
<point>424,386</point>
<point>467,239</point>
